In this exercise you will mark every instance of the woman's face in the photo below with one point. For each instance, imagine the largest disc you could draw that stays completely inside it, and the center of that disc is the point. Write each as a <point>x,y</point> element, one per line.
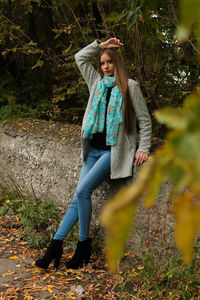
<point>107,65</point>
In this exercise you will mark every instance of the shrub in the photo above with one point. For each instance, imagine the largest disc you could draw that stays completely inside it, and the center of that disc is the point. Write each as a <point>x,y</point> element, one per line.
<point>39,219</point>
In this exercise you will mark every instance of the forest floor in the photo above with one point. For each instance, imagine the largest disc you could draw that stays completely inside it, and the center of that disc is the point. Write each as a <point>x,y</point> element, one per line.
<point>20,279</point>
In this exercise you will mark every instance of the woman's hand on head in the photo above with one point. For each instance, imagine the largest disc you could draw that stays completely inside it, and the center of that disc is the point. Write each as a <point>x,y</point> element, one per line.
<point>140,157</point>
<point>111,43</point>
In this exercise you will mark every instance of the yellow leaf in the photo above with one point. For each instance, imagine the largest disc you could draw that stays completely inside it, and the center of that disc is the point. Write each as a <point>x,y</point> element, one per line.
<point>36,271</point>
<point>13,257</point>
<point>66,51</point>
<point>127,253</point>
<point>59,273</point>
<point>39,63</point>
<point>173,118</point>
<point>118,215</point>
<point>71,295</point>
<point>152,186</point>
<point>182,33</point>
<point>119,226</point>
<point>187,215</point>
<point>10,273</point>
<point>50,290</point>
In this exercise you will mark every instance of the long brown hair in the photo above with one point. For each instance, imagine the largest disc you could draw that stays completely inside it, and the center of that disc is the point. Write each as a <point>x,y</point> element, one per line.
<point>121,77</point>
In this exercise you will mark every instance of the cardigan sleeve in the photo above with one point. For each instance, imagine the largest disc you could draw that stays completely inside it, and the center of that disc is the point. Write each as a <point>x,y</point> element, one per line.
<point>83,59</point>
<point>142,115</point>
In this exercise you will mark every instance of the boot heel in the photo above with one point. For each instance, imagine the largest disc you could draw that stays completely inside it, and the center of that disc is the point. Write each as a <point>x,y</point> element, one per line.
<point>86,260</point>
<point>57,261</point>
<point>81,255</point>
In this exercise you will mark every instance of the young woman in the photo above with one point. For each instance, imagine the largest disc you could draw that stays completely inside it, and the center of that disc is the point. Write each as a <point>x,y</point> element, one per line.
<point>108,141</point>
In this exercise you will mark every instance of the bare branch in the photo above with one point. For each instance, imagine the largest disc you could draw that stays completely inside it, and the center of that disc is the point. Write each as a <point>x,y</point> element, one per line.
<point>103,16</point>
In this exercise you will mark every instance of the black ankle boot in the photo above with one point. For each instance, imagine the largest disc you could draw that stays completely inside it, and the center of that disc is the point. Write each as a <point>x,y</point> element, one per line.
<point>54,251</point>
<point>81,255</point>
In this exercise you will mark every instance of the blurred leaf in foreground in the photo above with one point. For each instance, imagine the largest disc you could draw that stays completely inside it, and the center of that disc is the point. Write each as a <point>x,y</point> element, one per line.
<point>119,214</point>
<point>178,162</point>
<point>187,214</point>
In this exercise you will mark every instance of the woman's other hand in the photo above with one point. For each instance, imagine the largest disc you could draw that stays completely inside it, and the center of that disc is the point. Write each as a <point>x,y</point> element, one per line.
<point>140,157</point>
<point>111,43</point>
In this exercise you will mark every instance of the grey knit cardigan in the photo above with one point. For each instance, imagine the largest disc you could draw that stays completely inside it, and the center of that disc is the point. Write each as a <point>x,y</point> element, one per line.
<point>122,154</point>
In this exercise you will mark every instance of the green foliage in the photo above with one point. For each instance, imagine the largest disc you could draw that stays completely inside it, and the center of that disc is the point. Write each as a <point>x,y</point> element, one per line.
<point>119,226</point>
<point>39,219</point>
<point>12,113</point>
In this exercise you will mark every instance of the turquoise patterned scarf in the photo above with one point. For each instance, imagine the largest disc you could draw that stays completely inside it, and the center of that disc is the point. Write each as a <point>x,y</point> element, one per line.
<point>96,117</point>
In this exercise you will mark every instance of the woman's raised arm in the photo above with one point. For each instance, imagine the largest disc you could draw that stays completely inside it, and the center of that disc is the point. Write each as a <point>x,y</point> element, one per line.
<point>83,59</point>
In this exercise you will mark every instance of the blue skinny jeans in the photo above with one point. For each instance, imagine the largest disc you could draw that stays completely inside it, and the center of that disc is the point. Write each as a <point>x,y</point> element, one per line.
<point>95,170</point>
